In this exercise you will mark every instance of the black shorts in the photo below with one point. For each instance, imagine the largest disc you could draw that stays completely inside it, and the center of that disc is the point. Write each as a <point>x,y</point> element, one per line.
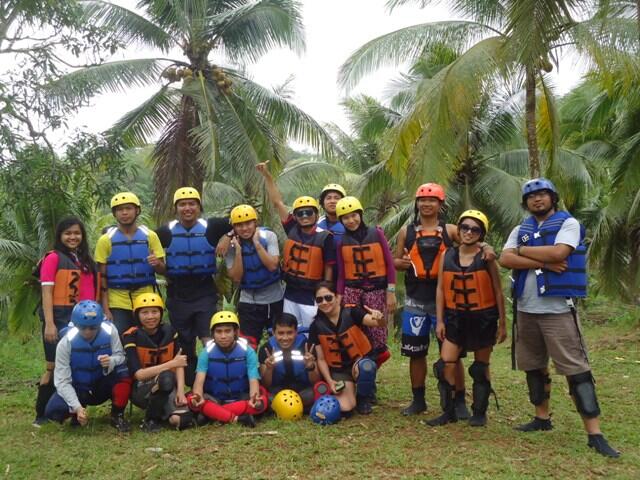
<point>255,318</point>
<point>60,320</point>
<point>192,318</point>
<point>472,332</point>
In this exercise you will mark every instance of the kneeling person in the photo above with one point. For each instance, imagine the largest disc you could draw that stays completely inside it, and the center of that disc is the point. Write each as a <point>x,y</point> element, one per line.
<point>157,365</point>
<point>287,362</point>
<point>227,385</point>
<point>89,369</point>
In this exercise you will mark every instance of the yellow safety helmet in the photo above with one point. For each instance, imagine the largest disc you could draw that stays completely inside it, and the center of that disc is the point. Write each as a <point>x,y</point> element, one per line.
<point>306,201</point>
<point>186,193</point>
<point>333,187</point>
<point>287,405</point>
<point>224,317</point>
<point>123,198</point>
<point>477,215</point>
<point>242,213</point>
<point>147,300</point>
<point>348,205</point>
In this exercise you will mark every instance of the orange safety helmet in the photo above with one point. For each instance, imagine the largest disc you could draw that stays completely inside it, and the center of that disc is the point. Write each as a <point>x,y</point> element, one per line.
<point>430,190</point>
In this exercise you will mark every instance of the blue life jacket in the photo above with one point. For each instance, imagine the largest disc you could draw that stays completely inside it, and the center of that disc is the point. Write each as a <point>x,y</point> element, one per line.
<point>289,368</point>
<point>190,253</point>
<point>127,266</point>
<point>227,378</point>
<point>85,366</point>
<point>255,275</point>
<point>337,228</point>
<point>570,283</point>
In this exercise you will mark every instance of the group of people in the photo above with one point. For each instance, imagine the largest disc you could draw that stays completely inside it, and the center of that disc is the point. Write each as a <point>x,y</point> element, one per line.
<point>311,319</point>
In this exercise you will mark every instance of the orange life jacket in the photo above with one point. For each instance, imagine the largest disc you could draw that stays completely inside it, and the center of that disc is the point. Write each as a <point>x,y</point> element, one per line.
<point>469,289</point>
<point>349,339</point>
<point>149,353</point>
<point>66,286</point>
<point>302,262</point>
<point>364,261</point>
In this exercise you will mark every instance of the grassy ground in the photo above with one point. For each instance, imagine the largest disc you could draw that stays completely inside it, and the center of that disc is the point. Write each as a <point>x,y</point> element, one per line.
<point>383,445</point>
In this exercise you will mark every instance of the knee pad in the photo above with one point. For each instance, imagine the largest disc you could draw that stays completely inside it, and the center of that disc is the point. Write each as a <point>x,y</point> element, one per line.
<point>366,381</point>
<point>166,381</point>
<point>478,371</point>
<point>537,380</point>
<point>583,390</point>
<point>187,420</point>
<point>438,370</point>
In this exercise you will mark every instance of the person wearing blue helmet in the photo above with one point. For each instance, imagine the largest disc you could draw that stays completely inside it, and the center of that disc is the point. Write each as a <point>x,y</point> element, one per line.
<point>548,256</point>
<point>89,369</point>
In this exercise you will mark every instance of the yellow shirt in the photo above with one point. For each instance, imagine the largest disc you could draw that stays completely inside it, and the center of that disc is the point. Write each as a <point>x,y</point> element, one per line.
<point>124,298</point>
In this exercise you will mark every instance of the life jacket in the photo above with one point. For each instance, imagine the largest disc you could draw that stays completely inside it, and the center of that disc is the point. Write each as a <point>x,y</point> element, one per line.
<point>364,261</point>
<point>85,366</point>
<point>468,289</point>
<point>570,283</point>
<point>189,252</point>
<point>303,263</point>
<point>149,353</point>
<point>127,266</point>
<point>254,274</point>
<point>425,249</point>
<point>337,229</point>
<point>349,340</point>
<point>227,378</point>
<point>289,366</point>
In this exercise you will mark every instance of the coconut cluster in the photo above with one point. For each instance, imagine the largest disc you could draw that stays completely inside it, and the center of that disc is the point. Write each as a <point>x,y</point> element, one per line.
<point>174,74</point>
<point>222,80</point>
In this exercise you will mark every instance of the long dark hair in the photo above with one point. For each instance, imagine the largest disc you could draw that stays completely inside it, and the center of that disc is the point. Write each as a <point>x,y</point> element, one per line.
<point>82,252</point>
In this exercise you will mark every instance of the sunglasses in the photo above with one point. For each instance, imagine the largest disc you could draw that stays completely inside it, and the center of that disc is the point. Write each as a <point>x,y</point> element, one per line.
<point>468,228</point>
<point>305,212</point>
<point>324,298</point>
<point>85,327</point>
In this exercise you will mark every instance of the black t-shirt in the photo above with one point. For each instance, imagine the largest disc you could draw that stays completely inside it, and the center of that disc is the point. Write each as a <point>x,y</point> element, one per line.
<point>194,286</point>
<point>357,315</point>
<point>129,341</point>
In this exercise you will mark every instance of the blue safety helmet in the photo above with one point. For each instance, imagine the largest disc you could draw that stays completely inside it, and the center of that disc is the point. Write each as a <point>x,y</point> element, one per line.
<point>325,410</point>
<point>537,184</point>
<point>87,313</point>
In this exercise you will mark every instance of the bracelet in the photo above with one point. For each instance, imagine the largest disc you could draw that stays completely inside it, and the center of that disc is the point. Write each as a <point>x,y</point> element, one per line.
<point>391,289</point>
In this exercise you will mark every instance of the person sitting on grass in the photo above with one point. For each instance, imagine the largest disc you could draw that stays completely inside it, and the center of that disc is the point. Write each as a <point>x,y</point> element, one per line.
<point>287,362</point>
<point>343,350</point>
<point>227,385</point>
<point>90,369</point>
<point>157,365</point>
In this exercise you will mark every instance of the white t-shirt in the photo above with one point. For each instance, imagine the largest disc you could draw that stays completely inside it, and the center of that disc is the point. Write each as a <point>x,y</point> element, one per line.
<point>530,301</point>
<point>269,294</point>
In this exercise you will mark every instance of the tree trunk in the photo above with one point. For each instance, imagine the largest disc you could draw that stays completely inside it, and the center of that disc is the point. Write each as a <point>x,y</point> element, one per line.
<point>638,15</point>
<point>530,120</point>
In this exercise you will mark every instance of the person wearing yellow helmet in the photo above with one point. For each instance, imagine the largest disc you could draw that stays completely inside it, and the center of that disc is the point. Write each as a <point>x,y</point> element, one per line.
<point>128,257</point>
<point>309,254</point>
<point>253,262</point>
<point>190,243</point>
<point>156,363</point>
<point>329,198</point>
<point>469,296</point>
<point>227,385</point>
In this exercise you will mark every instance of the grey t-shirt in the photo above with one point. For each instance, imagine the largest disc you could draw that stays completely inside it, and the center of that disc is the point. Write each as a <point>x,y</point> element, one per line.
<point>270,293</point>
<point>530,301</point>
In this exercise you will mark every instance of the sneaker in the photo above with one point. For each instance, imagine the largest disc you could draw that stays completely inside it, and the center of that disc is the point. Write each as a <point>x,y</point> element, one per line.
<point>120,423</point>
<point>201,420</point>
<point>39,421</point>
<point>462,412</point>
<point>150,426</point>
<point>441,420</point>
<point>415,408</point>
<point>600,445</point>
<point>478,420</point>
<point>537,424</point>
<point>247,420</point>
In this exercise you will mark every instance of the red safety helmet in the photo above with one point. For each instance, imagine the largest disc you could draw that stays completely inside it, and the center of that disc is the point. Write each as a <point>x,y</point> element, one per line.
<point>430,190</point>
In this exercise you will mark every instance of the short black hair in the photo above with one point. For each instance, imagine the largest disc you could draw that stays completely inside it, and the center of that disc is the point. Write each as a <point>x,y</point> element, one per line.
<point>286,320</point>
<point>325,284</point>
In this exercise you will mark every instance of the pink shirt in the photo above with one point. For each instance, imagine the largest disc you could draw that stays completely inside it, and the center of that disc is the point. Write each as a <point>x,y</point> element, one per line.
<point>48,269</point>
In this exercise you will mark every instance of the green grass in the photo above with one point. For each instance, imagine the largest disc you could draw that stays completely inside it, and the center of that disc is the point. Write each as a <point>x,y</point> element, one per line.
<point>383,445</point>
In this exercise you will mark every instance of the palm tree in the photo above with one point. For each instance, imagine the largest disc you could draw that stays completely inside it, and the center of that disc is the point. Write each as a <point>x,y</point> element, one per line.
<point>215,122</point>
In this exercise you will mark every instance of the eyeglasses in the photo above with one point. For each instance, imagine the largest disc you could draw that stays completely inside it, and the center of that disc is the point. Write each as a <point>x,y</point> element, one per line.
<point>468,228</point>
<point>538,194</point>
<point>324,298</point>
<point>305,212</point>
<point>87,327</point>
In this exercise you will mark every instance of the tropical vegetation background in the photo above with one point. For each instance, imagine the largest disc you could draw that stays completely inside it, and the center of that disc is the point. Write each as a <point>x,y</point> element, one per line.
<point>472,106</point>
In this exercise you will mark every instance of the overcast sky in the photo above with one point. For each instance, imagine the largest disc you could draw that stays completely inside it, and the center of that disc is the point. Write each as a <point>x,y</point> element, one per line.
<point>334,30</point>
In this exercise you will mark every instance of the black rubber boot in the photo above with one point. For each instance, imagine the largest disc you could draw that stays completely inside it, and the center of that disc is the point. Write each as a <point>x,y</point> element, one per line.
<point>481,391</point>
<point>149,425</point>
<point>363,405</point>
<point>416,407</point>
<point>45,392</point>
<point>120,423</point>
<point>535,425</point>
<point>600,445</point>
<point>462,412</point>
<point>447,401</point>
<point>247,420</point>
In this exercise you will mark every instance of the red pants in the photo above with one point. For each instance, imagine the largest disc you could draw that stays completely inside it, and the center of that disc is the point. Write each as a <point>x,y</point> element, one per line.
<point>226,412</point>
